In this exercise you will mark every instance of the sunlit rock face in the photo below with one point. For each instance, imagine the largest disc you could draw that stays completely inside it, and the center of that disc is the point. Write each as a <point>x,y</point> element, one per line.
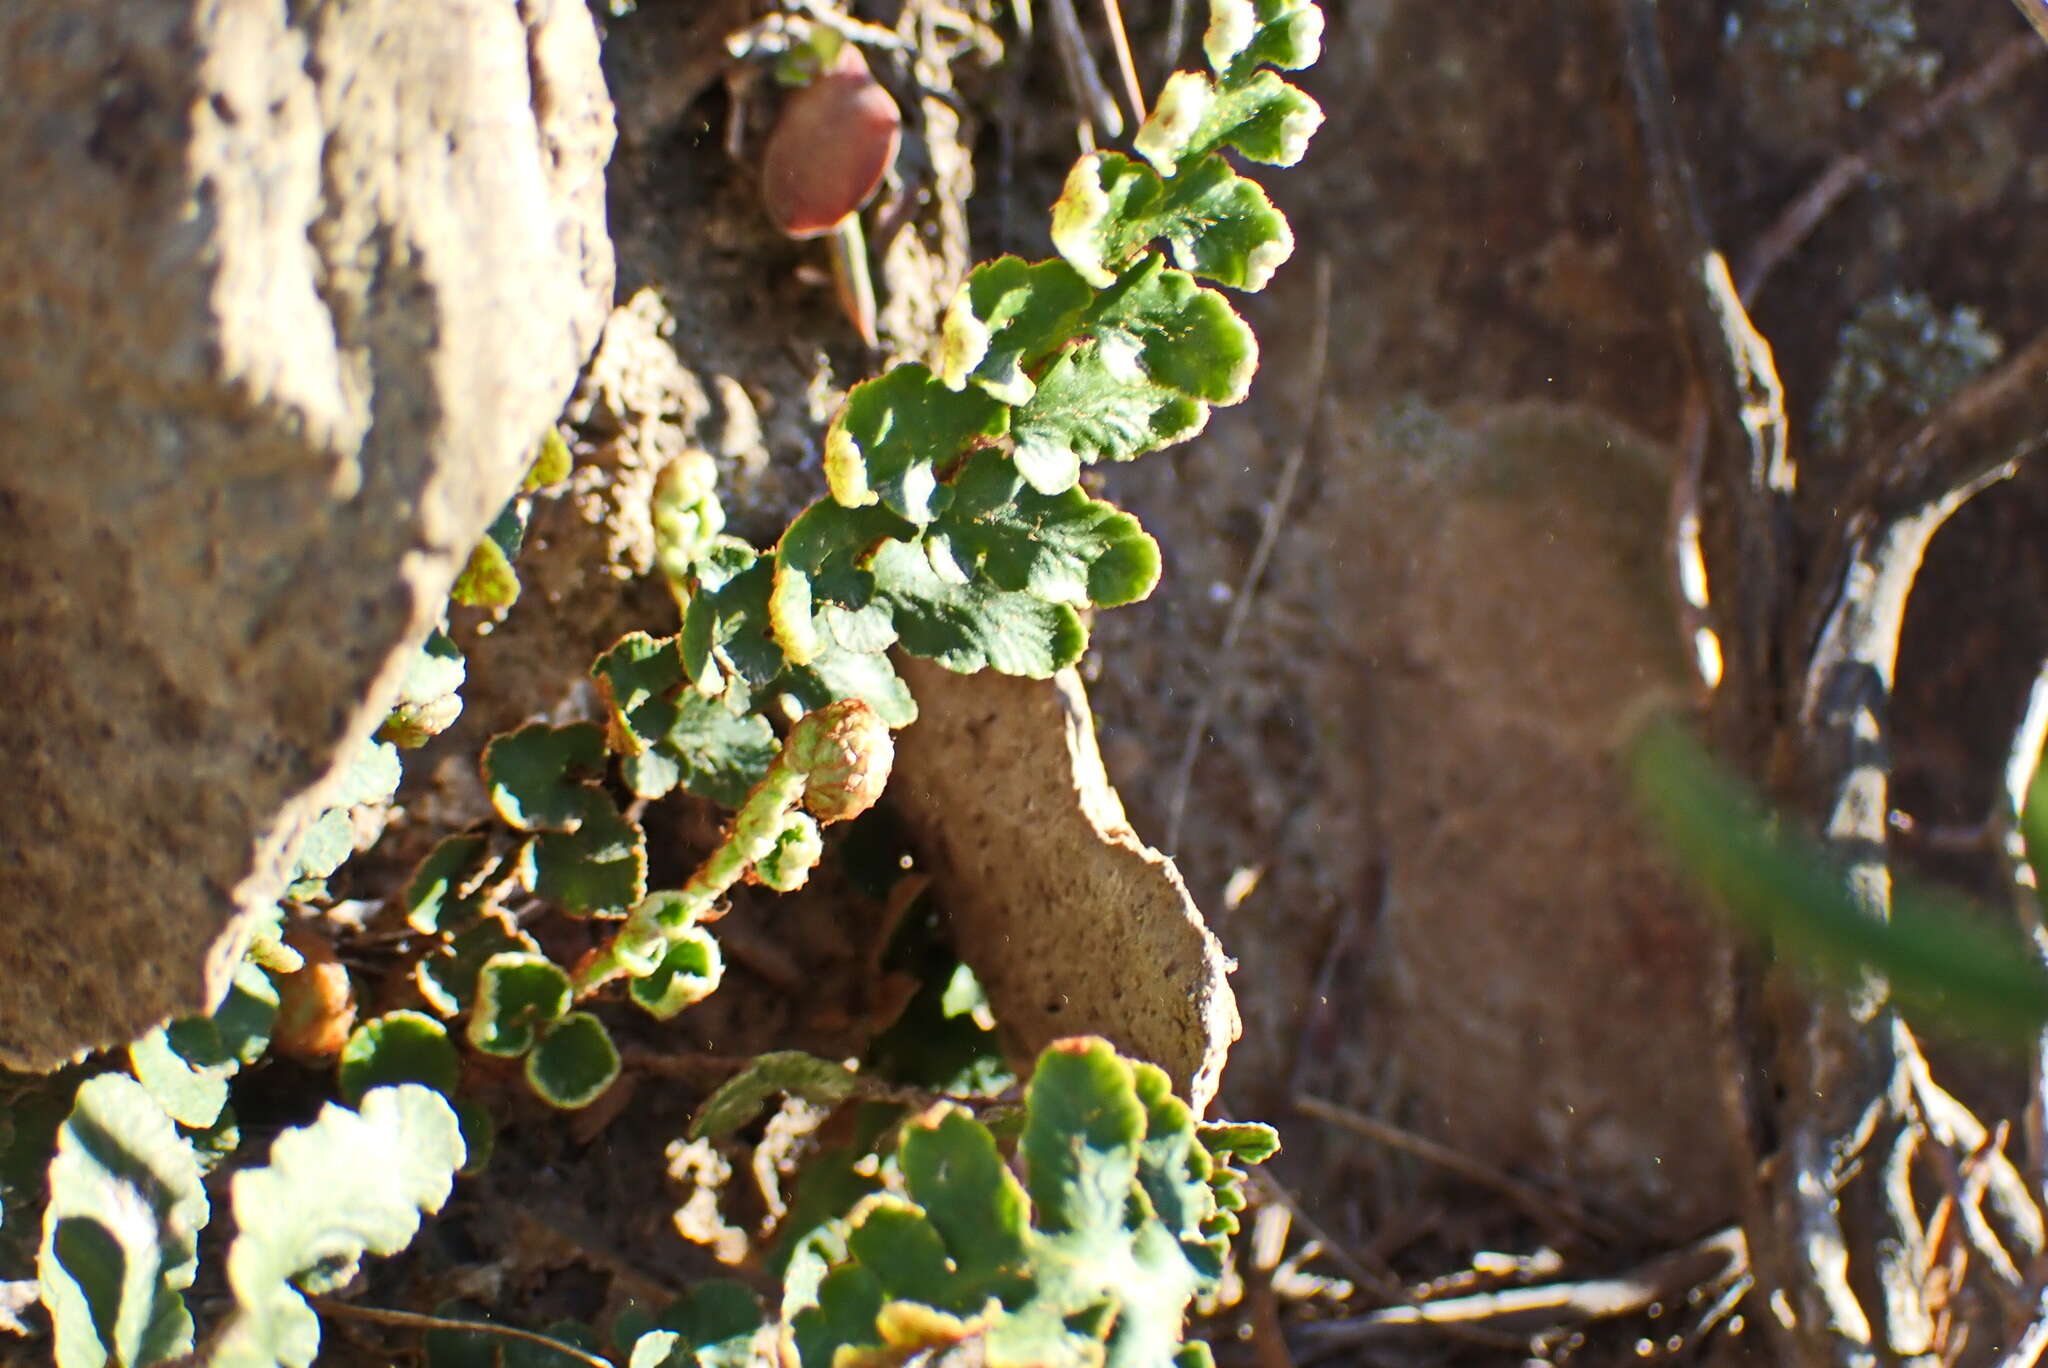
<point>290,298</point>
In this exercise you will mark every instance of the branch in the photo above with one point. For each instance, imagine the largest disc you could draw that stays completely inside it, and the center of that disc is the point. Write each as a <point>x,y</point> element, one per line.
<point>1839,1061</point>
<point>1553,1210</point>
<point>1994,423</point>
<point>1842,175</point>
<point>1744,402</point>
<point>1729,529</point>
<point>1084,79</point>
<point>1889,515</point>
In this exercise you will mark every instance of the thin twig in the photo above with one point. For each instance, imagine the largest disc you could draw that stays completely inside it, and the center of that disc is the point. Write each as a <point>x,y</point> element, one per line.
<point>1975,440</point>
<point>1366,1270</point>
<point>1113,15</point>
<point>1796,222</point>
<point>1723,1307</point>
<point>2036,12</point>
<point>1542,1206</point>
<point>1261,1259</point>
<point>1491,1273</point>
<point>1277,510</point>
<point>852,29</point>
<point>1996,421</point>
<point>1084,79</point>
<point>1322,1019</point>
<point>414,1320</point>
<point>1954,1126</point>
<point>1905,1263</point>
<point>2026,1350</point>
<point>1742,399</point>
<point>1176,34</point>
<point>1841,1056</point>
<point>1967,1181</point>
<point>1717,1261</point>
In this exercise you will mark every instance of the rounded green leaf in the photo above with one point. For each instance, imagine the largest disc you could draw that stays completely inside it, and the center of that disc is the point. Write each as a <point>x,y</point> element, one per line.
<point>186,1065</point>
<point>726,628</point>
<point>1260,116</point>
<point>1006,319</point>
<point>1245,1142</point>
<point>838,673</point>
<point>120,1229</point>
<point>373,778</point>
<point>348,1184</point>
<point>535,774</point>
<point>427,703</point>
<point>798,848</point>
<point>639,677</point>
<point>1126,572</point>
<point>974,626</point>
<point>892,434</point>
<point>551,463</point>
<point>1080,1144</point>
<point>952,1168</point>
<point>690,971</point>
<point>518,996</point>
<point>185,1082</point>
<point>601,866</point>
<point>246,1015</point>
<point>1158,324</point>
<point>715,752</point>
<point>1244,33</point>
<point>447,977</point>
<point>1219,225</point>
<point>740,1098</point>
<point>326,846</point>
<point>488,580</point>
<point>446,889</point>
<point>574,1062</point>
<point>398,1047</point>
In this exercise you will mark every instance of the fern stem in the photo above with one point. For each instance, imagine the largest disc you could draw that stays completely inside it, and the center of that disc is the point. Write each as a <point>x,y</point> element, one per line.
<point>415,1320</point>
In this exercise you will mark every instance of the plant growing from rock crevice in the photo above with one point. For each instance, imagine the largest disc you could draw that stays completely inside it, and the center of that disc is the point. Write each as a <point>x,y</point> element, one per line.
<point>955,529</point>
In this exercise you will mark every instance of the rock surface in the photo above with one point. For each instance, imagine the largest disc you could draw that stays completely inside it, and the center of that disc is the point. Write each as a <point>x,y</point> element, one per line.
<point>1073,925</point>
<point>1511,587</point>
<point>290,298</point>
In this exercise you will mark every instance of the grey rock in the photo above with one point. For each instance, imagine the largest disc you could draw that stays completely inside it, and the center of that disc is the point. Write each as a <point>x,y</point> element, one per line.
<point>289,293</point>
